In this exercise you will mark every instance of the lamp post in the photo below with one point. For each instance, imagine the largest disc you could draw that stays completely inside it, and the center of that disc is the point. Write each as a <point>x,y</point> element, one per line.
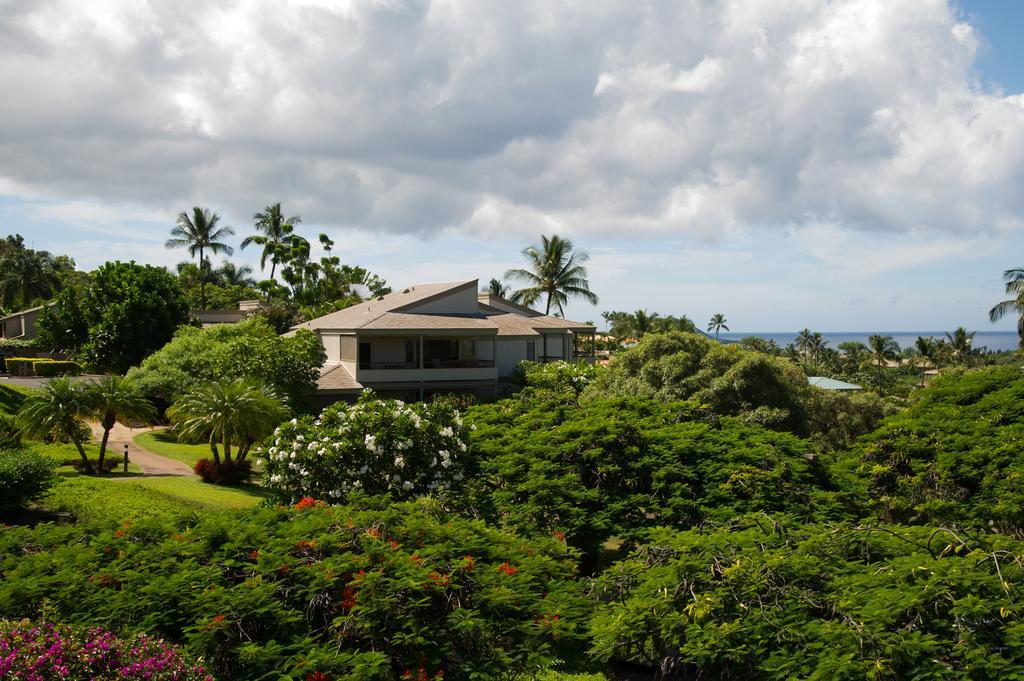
<point>125,457</point>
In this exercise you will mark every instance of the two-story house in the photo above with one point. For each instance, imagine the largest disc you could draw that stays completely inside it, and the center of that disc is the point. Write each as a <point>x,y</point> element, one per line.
<point>437,338</point>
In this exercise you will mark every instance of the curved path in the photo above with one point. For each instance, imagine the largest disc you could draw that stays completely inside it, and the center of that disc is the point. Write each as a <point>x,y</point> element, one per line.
<point>152,465</point>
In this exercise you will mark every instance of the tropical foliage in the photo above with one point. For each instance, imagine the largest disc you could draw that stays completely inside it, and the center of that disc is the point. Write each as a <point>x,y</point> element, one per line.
<point>200,233</point>
<point>952,457</point>
<point>609,468</point>
<point>765,598</point>
<point>367,590</point>
<point>24,476</point>
<point>58,409</point>
<point>29,277</point>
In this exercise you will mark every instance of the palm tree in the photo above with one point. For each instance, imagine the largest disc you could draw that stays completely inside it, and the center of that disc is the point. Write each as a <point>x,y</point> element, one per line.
<point>273,231</point>
<point>555,272</point>
<point>496,288</point>
<point>925,347</point>
<point>58,408</point>
<point>717,323</point>
<point>198,234</point>
<point>642,322</point>
<point>804,341</point>
<point>116,399</point>
<point>228,412</point>
<point>673,323</point>
<point>1014,279</point>
<point>960,344</point>
<point>882,348</point>
<point>230,274</point>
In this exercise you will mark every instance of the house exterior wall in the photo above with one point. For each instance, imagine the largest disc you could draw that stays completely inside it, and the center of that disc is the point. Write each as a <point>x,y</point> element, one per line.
<point>21,325</point>
<point>511,351</point>
<point>332,346</point>
<point>457,302</point>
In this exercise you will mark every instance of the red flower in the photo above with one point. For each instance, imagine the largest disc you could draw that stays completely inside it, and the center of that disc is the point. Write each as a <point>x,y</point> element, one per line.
<point>317,676</point>
<point>254,554</point>
<point>438,579</point>
<point>559,535</point>
<point>470,563</point>
<point>507,568</point>
<point>307,502</point>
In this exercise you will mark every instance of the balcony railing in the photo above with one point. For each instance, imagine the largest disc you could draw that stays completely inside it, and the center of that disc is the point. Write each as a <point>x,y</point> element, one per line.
<point>430,364</point>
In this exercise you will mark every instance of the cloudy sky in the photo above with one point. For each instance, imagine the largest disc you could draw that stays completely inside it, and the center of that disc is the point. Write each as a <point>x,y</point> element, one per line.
<point>844,165</point>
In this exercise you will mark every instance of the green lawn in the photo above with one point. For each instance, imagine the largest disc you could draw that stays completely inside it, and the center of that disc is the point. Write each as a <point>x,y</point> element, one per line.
<point>90,498</point>
<point>11,398</point>
<point>162,442</point>
<point>66,453</point>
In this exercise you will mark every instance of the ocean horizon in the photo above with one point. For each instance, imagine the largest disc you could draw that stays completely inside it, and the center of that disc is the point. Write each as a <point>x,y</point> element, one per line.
<point>990,340</point>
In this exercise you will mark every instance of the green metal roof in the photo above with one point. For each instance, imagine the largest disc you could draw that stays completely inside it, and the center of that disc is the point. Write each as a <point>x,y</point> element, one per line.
<point>831,384</point>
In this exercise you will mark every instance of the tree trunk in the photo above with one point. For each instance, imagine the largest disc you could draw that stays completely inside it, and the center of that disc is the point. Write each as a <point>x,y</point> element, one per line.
<point>103,446</point>
<point>227,446</point>
<point>81,452</point>
<point>216,454</point>
<point>202,282</point>
<point>243,452</point>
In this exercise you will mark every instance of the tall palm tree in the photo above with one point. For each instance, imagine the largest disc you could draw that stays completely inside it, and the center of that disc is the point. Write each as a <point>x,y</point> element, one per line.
<point>273,231</point>
<point>555,272</point>
<point>229,412</point>
<point>116,399</point>
<point>496,288</point>
<point>925,347</point>
<point>882,348</point>
<point>960,344</point>
<point>200,233</point>
<point>58,408</point>
<point>717,323</point>
<point>804,341</point>
<point>1014,279</point>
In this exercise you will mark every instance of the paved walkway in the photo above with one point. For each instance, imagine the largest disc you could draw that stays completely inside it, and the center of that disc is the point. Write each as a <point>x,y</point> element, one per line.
<point>152,465</point>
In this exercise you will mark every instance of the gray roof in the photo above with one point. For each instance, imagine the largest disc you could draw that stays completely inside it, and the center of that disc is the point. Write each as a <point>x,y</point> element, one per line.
<point>391,313</point>
<point>337,378</point>
<point>826,383</point>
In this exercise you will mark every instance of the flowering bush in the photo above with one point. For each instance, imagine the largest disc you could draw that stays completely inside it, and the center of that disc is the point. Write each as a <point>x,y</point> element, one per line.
<point>41,652</point>
<point>562,377</point>
<point>375,446</point>
<point>310,591</point>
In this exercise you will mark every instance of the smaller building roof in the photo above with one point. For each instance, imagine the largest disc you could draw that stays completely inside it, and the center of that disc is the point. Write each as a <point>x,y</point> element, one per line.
<point>826,383</point>
<point>337,379</point>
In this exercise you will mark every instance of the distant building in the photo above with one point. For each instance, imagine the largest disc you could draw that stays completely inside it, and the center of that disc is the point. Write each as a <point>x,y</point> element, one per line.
<point>831,383</point>
<point>214,317</point>
<point>437,338</point>
<point>21,325</point>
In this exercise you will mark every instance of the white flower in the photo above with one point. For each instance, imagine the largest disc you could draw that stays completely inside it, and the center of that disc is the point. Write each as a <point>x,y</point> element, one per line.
<point>371,442</point>
<point>276,479</point>
<point>447,431</point>
<point>407,485</point>
<point>364,469</point>
<point>295,422</point>
<point>399,462</point>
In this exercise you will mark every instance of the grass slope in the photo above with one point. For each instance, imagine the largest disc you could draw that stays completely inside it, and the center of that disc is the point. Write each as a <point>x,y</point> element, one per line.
<point>88,498</point>
<point>162,442</point>
<point>11,398</point>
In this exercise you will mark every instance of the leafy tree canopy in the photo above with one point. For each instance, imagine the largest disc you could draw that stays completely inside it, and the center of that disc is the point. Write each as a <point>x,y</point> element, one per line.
<point>289,365</point>
<point>124,313</point>
<point>610,467</point>
<point>953,456</point>
<point>682,366</point>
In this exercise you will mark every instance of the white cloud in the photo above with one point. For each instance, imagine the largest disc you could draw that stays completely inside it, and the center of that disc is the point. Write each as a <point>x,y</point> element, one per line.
<point>482,118</point>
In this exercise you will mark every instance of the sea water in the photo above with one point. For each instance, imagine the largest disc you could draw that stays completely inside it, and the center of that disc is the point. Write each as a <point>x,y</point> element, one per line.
<point>990,340</point>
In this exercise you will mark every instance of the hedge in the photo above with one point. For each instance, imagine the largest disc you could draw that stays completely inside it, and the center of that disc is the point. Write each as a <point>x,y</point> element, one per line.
<point>41,366</point>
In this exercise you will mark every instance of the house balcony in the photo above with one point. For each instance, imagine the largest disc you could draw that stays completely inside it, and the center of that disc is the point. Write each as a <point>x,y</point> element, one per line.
<point>425,359</point>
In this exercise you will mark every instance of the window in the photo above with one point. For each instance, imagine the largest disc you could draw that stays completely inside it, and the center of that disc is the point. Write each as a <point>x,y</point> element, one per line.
<point>531,351</point>
<point>410,351</point>
<point>364,356</point>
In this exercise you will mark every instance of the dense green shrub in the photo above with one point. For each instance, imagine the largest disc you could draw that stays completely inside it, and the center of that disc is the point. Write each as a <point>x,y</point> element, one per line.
<point>24,476</point>
<point>365,591</point>
<point>836,418</point>
<point>727,378</point>
<point>953,456</point>
<point>609,468</point>
<point>373,446</point>
<point>14,347</point>
<point>48,652</point>
<point>289,365</point>
<point>21,366</point>
<point>762,600</point>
